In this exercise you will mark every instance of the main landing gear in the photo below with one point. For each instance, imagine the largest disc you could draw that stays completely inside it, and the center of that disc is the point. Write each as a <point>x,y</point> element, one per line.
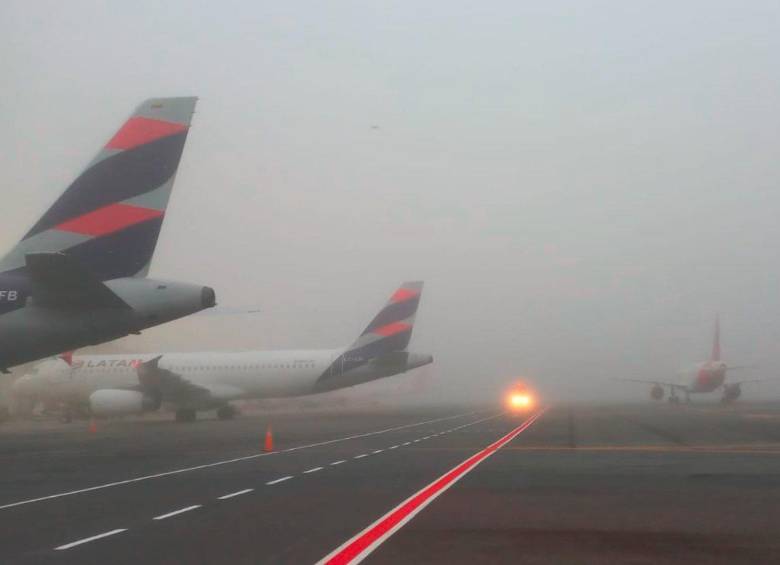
<point>674,399</point>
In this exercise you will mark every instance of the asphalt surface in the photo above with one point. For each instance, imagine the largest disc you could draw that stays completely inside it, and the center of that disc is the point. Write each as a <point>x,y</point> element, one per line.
<point>611,484</point>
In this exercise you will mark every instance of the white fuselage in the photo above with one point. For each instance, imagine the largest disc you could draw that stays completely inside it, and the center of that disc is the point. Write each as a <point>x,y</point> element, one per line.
<point>228,376</point>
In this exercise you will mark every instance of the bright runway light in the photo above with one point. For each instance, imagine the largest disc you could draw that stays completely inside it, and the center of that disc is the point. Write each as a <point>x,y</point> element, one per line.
<point>520,401</point>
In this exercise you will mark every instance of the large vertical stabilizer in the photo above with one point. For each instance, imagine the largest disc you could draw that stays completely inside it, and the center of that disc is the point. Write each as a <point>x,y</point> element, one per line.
<point>715,355</point>
<point>110,217</point>
<point>390,331</point>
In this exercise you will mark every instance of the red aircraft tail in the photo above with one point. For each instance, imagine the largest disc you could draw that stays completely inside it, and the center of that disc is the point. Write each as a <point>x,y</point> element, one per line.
<point>715,356</point>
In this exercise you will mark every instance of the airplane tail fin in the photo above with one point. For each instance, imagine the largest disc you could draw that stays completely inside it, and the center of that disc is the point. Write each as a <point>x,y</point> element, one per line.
<point>110,217</point>
<point>390,331</point>
<point>715,355</point>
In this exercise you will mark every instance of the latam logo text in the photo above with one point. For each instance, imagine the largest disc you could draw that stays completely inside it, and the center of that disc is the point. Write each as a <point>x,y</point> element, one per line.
<point>107,364</point>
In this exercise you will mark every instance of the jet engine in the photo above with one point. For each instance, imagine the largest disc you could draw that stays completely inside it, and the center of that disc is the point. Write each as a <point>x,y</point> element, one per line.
<point>731,393</point>
<point>118,402</point>
<point>657,392</point>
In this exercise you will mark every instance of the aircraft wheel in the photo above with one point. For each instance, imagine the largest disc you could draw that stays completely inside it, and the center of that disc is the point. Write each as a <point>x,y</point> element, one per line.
<point>186,415</point>
<point>226,412</point>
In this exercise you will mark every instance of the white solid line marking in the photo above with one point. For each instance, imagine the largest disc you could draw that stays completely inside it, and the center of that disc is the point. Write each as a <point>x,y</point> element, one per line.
<point>175,512</point>
<point>312,470</point>
<point>339,462</point>
<point>93,538</point>
<point>360,456</point>
<point>237,493</point>
<point>377,451</point>
<point>288,477</point>
<point>225,462</point>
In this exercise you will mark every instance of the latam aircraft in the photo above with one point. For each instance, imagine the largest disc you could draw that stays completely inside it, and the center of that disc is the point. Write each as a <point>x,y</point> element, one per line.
<point>704,377</point>
<point>78,277</point>
<point>112,385</point>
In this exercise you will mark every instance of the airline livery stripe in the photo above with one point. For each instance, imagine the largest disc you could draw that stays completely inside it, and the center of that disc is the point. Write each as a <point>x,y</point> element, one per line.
<point>139,130</point>
<point>392,329</point>
<point>108,219</point>
<point>129,174</point>
<point>394,313</point>
<point>404,294</point>
<point>361,545</point>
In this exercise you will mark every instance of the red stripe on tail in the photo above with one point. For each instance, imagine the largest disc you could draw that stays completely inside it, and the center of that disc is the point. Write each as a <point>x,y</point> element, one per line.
<point>403,294</point>
<point>109,219</point>
<point>139,130</point>
<point>392,329</point>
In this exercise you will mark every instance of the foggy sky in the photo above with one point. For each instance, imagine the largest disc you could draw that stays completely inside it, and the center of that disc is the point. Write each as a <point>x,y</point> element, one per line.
<point>581,185</point>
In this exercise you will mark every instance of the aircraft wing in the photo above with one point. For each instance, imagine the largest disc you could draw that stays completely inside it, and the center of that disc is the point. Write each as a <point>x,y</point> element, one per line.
<point>176,389</point>
<point>169,386</point>
<point>745,381</point>
<point>649,382</point>
<point>58,280</point>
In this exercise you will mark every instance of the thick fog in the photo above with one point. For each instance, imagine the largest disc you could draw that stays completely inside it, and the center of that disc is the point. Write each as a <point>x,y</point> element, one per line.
<point>582,186</point>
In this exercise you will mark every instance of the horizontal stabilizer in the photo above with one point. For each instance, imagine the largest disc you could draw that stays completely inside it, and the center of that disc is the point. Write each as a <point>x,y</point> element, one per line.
<point>59,281</point>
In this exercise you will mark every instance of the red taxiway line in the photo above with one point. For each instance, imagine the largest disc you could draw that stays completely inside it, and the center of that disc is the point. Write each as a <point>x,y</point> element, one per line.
<point>360,546</point>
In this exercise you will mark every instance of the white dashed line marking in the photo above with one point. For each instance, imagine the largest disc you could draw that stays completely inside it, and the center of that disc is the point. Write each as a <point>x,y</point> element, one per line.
<point>377,451</point>
<point>237,493</point>
<point>176,512</point>
<point>393,447</point>
<point>225,462</point>
<point>277,481</point>
<point>361,456</point>
<point>312,470</point>
<point>89,539</point>
<point>339,462</point>
<point>406,443</point>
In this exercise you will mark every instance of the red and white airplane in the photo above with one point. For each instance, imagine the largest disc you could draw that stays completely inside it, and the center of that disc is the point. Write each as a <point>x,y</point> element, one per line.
<point>704,377</point>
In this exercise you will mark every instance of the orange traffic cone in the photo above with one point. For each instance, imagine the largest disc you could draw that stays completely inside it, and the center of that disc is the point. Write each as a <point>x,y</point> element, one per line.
<point>269,439</point>
<point>92,426</point>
